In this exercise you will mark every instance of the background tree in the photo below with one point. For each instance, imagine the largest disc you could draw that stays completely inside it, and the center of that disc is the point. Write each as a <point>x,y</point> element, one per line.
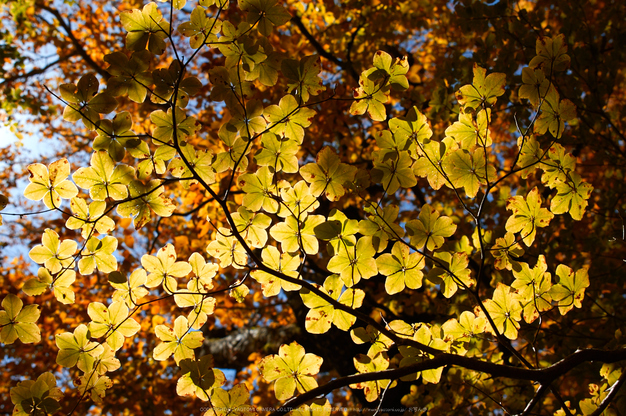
<point>419,215</point>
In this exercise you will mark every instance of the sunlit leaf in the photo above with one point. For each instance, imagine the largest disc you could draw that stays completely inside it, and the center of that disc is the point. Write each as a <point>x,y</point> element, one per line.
<point>430,229</point>
<point>163,268</point>
<point>50,183</point>
<point>570,290</point>
<point>402,268</point>
<point>291,369</point>
<point>18,322</point>
<point>505,310</point>
<point>328,174</point>
<point>484,91</point>
<point>76,349</point>
<point>527,216</point>
<point>180,341</point>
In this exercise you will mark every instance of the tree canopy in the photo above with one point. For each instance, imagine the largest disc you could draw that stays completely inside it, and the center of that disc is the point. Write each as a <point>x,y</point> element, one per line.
<point>313,207</point>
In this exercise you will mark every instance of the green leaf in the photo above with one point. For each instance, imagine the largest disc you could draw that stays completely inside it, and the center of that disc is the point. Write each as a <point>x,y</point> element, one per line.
<point>199,378</point>
<point>98,253</point>
<point>504,251</point>
<point>381,226</point>
<point>369,97</point>
<point>483,92</point>
<point>413,128</point>
<point>530,156</point>
<point>430,229</point>
<point>169,81</point>
<point>202,305</point>
<point>112,322</point>
<point>203,271</point>
<point>94,386</point>
<point>379,341</point>
<point>129,76</point>
<point>252,227</point>
<point>557,169</point>
<point>535,85</point>
<point>393,71</point>
<point>551,55</point>
<point>242,52</point>
<point>17,322</point>
<point>328,175</point>
<point>470,132</point>
<point>289,119</point>
<point>533,286</point>
<point>322,314</point>
<point>571,197</point>
<point>451,272</point>
<point>115,135</point>
<point>266,72</point>
<point>394,171</point>
<point>554,114</point>
<point>468,170</point>
<point>50,183</point>
<point>104,179</point>
<point>279,154</point>
<point>52,253</point>
<point>231,403</point>
<point>505,310</point>
<point>266,13</point>
<point>319,407</point>
<point>427,336</point>
<point>570,290</point>
<point>295,235</point>
<point>527,216</point>
<point>402,268</point>
<point>90,219</point>
<point>259,190</point>
<point>201,29</point>
<point>164,269</point>
<point>198,162</point>
<point>145,199</point>
<point>166,124</point>
<point>338,230</point>
<point>249,121</point>
<point>61,285</point>
<point>42,394</point>
<point>467,327</point>
<point>367,364</point>
<point>145,28</point>
<point>291,368</point>
<point>228,249</point>
<point>132,290</point>
<point>354,263</point>
<point>285,263</point>
<point>76,349</point>
<point>84,103</point>
<point>303,77</point>
<point>180,341</point>
<point>117,277</point>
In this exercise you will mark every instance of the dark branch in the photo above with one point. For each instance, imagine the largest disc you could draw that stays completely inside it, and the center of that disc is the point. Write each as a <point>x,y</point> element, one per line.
<point>231,350</point>
<point>37,71</point>
<point>79,47</point>
<point>544,375</point>
<point>346,66</point>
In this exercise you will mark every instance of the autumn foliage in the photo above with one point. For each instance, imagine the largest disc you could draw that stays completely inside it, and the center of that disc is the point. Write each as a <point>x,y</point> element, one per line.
<point>313,207</point>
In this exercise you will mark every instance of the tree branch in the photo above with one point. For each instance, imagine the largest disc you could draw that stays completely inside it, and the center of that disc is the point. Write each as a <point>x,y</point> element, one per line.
<point>37,71</point>
<point>346,66</point>
<point>232,350</point>
<point>544,375</point>
<point>79,47</point>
